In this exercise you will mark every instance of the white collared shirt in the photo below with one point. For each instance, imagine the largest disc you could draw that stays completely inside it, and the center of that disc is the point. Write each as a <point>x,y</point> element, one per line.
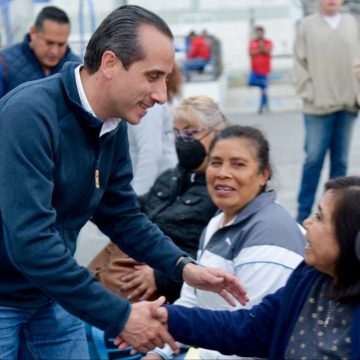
<point>333,21</point>
<point>109,124</point>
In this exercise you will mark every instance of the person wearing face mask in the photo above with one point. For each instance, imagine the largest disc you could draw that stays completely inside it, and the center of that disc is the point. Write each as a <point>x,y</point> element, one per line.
<point>178,203</point>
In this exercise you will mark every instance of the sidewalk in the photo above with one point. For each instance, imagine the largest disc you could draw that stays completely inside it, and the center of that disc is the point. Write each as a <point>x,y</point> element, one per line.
<point>244,99</point>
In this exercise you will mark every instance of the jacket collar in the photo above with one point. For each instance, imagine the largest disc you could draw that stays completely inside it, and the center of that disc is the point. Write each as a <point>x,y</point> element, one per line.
<point>254,206</point>
<point>28,51</point>
<point>86,120</point>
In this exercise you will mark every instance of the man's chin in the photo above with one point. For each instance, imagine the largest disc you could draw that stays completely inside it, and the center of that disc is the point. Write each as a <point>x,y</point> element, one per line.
<point>51,64</point>
<point>134,120</point>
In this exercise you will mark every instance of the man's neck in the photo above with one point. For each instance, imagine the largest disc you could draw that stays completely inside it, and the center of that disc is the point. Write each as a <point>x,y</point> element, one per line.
<point>46,70</point>
<point>91,93</point>
<point>329,13</point>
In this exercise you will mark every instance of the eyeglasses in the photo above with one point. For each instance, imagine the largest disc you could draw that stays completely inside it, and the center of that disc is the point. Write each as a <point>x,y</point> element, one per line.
<point>186,134</point>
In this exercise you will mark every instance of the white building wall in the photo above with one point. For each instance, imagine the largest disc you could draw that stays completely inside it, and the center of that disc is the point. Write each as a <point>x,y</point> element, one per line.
<point>228,20</point>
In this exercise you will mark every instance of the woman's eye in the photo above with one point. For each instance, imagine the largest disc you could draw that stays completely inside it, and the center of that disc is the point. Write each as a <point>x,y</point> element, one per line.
<point>214,163</point>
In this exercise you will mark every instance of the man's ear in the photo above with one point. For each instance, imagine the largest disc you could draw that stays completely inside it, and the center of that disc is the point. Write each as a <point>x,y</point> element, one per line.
<point>109,63</point>
<point>32,32</point>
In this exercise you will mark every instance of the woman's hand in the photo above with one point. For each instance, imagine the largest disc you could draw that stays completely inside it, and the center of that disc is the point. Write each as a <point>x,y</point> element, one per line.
<point>216,280</point>
<point>140,283</point>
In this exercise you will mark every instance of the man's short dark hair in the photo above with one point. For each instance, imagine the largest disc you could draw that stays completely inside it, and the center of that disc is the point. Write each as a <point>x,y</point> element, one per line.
<point>119,33</point>
<point>51,13</point>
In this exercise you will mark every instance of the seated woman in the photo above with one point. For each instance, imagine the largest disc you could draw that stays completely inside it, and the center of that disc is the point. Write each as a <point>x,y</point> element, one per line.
<point>251,236</point>
<point>178,203</point>
<point>316,315</point>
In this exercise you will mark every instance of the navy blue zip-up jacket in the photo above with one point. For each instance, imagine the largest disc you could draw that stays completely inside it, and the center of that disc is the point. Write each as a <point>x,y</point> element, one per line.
<point>49,152</point>
<point>19,64</point>
<point>264,331</point>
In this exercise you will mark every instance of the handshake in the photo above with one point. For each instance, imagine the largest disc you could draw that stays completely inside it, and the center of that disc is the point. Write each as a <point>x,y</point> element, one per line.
<point>146,327</point>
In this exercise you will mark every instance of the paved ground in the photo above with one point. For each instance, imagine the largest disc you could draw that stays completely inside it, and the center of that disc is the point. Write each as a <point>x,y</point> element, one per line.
<point>284,129</point>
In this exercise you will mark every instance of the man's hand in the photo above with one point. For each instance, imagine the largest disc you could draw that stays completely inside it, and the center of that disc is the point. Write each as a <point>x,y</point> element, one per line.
<point>216,280</point>
<point>140,283</point>
<point>144,329</point>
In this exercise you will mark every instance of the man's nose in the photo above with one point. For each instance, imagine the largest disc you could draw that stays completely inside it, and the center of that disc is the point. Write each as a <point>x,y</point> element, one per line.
<point>55,50</point>
<point>159,93</point>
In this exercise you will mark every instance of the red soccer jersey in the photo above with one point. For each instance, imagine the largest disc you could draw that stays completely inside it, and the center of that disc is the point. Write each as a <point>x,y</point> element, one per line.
<point>260,63</point>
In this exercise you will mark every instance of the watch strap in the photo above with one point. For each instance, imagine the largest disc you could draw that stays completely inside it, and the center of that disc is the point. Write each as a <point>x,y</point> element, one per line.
<point>181,264</point>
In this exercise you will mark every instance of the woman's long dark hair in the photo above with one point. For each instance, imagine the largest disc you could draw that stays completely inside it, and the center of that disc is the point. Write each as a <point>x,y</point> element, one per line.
<point>346,219</point>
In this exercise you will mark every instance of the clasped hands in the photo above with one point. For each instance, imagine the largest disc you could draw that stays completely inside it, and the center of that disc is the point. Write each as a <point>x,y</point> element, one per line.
<point>146,327</point>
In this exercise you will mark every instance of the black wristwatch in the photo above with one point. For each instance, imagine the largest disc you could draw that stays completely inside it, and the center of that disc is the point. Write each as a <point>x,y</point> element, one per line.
<point>181,264</point>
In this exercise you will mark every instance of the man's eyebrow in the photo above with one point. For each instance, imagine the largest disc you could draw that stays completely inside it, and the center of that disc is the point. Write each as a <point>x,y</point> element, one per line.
<point>155,71</point>
<point>53,41</point>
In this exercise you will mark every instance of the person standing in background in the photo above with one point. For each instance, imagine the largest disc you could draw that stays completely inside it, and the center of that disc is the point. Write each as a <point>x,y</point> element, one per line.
<point>260,55</point>
<point>43,51</point>
<point>151,149</point>
<point>325,49</point>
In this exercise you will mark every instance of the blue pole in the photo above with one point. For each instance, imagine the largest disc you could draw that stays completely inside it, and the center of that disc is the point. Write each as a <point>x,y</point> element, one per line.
<point>81,28</point>
<point>92,16</point>
<point>5,13</point>
<point>90,4</point>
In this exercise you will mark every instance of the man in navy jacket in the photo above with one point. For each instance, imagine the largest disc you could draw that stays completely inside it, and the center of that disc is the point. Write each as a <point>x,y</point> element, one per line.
<point>64,159</point>
<point>43,51</point>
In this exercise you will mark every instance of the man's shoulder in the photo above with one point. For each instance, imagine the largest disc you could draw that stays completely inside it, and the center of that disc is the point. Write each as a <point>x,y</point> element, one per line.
<point>348,15</point>
<point>33,93</point>
<point>349,18</point>
<point>311,18</point>
<point>11,50</point>
<point>71,56</point>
